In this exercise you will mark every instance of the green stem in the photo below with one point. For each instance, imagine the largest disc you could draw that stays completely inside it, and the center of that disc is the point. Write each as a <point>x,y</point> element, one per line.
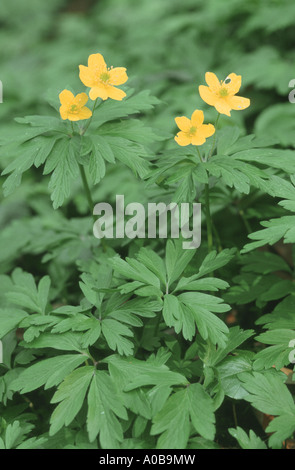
<point>246,222</point>
<point>208,218</point>
<point>214,138</point>
<point>87,190</point>
<point>89,121</point>
<point>217,237</point>
<point>157,324</point>
<point>199,155</point>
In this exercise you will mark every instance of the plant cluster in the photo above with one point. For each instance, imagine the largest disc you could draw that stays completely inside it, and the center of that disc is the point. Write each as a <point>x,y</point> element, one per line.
<point>141,344</point>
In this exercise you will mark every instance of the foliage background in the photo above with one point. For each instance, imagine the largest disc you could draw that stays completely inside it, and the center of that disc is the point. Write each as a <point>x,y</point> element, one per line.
<point>167,47</point>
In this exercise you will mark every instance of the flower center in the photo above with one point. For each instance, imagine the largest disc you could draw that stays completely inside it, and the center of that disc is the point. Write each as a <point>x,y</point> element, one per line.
<point>73,108</point>
<point>192,130</point>
<point>104,77</point>
<point>223,92</point>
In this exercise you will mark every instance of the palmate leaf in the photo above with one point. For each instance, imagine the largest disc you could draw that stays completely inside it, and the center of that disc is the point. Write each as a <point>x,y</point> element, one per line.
<point>14,435</point>
<point>31,153</point>
<point>134,270</point>
<point>133,104</point>
<point>264,262</point>
<point>247,442</point>
<point>228,371</point>
<point>25,293</point>
<point>254,287</point>
<point>213,356</point>
<point>281,317</point>
<point>10,318</point>
<point>100,148</point>
<point>68,341</point>
<point>104,406</point>
<point>283,227</point>
<point>114,333</point>
<point>62,162</point>
<point>269,394</point>
<point>282,427</point>
<point>130,154</point>
<point>49,372</point>
<point>70,395</point>
<point>237,174</point>
<point>277,354</point>
<point>90,326</point>
<point>192,405</point>
<point>134,373</point>
<point>203,307</point>
<point>131,129</point>
<point>176,260</point>
<point>186,310</point>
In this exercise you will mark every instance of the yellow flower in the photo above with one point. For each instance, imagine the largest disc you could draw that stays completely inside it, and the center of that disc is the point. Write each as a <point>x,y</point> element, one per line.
<point>193,131</point>
<point>73,107</point>
<point>222,94</point>
<point>103,80</point>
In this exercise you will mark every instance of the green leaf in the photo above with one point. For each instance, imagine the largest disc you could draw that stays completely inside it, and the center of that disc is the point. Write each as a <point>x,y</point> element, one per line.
<point>114,333</point>
<point>71,394</point>
<point>49,372</point>
<point>283,227</point>
<point>63,162</point>
<point>203,307</point>
<point>10,319</point>
<point>173,421</point>
<point>104,405</point>
<point>247,442</point>
<point>268,393</point>
<point>278,353</point>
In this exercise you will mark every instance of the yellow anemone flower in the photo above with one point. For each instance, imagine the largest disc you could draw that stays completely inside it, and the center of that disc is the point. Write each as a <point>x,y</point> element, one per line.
<point>73,107</point>
<point>103,80</point>
<point>222,94</point>
<point>193,131</point>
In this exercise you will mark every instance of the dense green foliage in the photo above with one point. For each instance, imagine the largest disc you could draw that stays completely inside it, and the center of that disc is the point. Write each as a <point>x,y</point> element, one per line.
<point>129,344</point>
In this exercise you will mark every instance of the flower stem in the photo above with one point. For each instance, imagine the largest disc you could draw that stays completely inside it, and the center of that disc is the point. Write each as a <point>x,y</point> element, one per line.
<point>89,121</point>
<point>87,190</point>
<point>208,218</point>
<point>199,154</point>
<point>214,138</point>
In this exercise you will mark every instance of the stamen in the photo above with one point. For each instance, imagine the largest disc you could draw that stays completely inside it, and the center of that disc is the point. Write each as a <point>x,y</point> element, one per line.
<point>223,92</point>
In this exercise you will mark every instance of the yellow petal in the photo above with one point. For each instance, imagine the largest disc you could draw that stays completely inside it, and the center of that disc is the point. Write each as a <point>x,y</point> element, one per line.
<point>66,97</point>
<point>63,112</point>
<point>207,130</point>
<point>197,118</point>
<point>182,139</point>
<point>118,76</point>
<point>85,113</point>
<point>232,83</point>
<point>222,106</point>
<point>87,76</point>
<point>213,82</point>
<point>96,61</point>
<point>238,102</point>
<point>98,92</point>
<point>81,99</point>
<point>73,117</point>
<point>198,139</point>
<point>115,93</point>
<point>183,123</point>
<point>207,95</point>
